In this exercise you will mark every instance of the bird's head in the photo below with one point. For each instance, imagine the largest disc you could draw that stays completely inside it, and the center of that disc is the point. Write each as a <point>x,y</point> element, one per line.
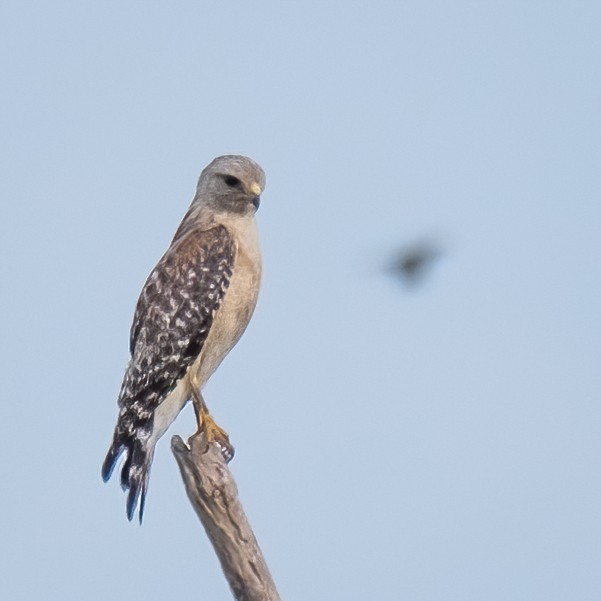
<point>231,184</point>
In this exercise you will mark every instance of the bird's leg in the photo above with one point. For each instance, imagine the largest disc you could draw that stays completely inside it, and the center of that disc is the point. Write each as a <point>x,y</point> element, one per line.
<point>217,434</point>
<point>207,424</point>
<point>197,402</point>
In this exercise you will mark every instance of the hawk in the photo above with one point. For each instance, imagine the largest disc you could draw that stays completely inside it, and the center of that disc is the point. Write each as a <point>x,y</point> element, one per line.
<point>193,308</point>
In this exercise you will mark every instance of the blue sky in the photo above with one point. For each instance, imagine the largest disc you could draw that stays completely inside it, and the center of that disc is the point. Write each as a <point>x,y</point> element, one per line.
<point>435,443</point>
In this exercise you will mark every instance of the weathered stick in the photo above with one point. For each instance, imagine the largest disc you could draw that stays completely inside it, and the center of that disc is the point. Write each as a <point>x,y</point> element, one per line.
<point>214,496</point>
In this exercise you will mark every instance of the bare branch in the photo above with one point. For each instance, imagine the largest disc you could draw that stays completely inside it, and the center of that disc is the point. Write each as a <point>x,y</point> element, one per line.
<point>214,496</point>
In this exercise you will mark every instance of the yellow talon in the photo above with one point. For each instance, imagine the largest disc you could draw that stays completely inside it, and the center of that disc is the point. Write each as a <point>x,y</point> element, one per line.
<point>209,426</point>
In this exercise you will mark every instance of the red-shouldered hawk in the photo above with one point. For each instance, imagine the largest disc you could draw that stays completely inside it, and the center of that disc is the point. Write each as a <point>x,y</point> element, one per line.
<point>193,308</point>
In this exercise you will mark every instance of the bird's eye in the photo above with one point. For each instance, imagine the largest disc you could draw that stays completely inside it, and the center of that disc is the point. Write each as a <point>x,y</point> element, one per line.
<point>232,182</point>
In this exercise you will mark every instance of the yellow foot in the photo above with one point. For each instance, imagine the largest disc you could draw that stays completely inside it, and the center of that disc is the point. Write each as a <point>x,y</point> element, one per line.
<point>216,434</point>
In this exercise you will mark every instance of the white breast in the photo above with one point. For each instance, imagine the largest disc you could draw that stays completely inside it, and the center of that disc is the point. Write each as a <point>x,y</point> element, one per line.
<point>240,298</point>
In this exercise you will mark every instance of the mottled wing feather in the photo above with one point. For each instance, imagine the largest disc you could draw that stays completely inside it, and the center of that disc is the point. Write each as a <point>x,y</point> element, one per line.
<point>171,323</point>
<point>175,312</point>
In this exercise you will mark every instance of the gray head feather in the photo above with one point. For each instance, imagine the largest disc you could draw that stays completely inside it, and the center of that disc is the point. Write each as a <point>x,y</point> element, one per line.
<point>231,183</point>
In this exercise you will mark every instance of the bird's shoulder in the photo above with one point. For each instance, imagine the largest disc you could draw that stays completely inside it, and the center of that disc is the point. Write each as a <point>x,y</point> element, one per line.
<point>200,245</point>
<point>194,271</point>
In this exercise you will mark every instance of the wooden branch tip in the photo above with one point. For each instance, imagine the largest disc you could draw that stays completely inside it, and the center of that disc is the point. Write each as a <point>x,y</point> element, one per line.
<point>214,495</point>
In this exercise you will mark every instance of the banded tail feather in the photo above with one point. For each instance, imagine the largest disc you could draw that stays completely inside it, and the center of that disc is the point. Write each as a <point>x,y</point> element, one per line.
<point>135,472</point>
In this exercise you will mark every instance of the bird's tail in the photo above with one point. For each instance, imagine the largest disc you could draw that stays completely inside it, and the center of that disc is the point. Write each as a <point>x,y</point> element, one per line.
<point>135,472</point>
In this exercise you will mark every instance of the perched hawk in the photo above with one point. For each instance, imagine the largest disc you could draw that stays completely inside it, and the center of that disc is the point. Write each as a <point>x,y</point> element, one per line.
<point>193,308</point>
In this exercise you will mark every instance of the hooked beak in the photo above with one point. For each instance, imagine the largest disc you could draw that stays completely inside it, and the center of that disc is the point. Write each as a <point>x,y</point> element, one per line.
<point>256,191</point>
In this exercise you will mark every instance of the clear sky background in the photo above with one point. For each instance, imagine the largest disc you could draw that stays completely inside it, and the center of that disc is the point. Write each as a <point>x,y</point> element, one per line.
<point>434,443</point>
